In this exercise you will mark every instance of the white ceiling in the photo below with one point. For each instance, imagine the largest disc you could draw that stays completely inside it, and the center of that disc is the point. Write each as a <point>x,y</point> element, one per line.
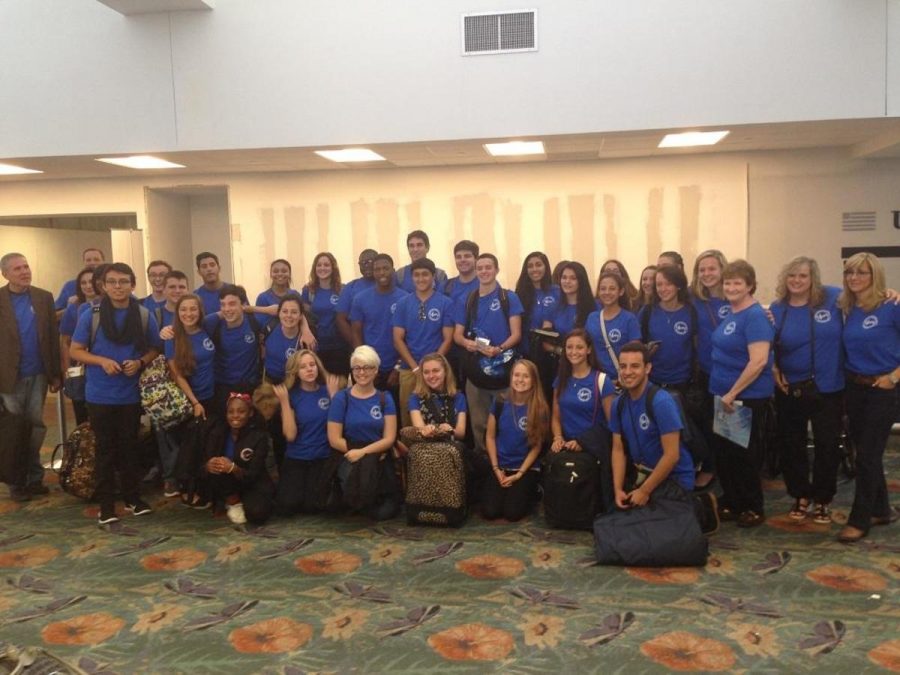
<point>128,7</point>
<point>862,138</point>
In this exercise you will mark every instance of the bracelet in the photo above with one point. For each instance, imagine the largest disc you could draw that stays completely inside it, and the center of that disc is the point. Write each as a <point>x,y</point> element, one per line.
<point>232,468</point>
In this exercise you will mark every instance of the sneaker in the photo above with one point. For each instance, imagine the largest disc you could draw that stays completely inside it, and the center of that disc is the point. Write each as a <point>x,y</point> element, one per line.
<point>170,489</point>
<point>822,514</point>
<point>19,494</point>
<point>750,519</point>
<point>800,510</point>
<point>707,512</point>
<point>138,507</point>
<point>37,489</point>
<point>236,514</point>
<point>107,514</point>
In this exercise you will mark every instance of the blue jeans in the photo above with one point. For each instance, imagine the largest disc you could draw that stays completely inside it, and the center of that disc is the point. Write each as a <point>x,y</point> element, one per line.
<point>28,399</point>
<point>167,445</point>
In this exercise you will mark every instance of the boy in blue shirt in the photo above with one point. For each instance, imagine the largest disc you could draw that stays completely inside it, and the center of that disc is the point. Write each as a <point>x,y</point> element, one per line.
<point>209,270</point>
<point>92,259</point>
<point>350,290</point>
<point>156,275</point>
<point>418,245</point>
<point>422,324</point>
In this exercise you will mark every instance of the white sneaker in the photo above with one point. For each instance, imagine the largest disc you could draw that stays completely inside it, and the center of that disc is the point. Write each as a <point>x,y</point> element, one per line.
<point>235,513</point>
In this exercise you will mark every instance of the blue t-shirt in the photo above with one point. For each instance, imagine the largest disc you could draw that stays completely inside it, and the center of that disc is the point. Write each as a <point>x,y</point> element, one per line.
<point>872,339</point>
<point>210,299</point>
<point>324,306</point>
<point>376,311</point>
<point>119,389</point>
<point>268,297</point>
<point>363,418</point>
<point>237,351</point>
<point>579,406</point>
<point>490,320</point>
<point>793,345</point>
<point>152,304</point>
<point>644,437</point>
<point>673,359</point>
<point>459,404</point>
<point>202,380</point>
<point>30,362</point>
<point>564,315</point>
<point>228,450</point>
<point>70,318</point>
<point>279,348</point>
<point>458,290</point>
<point>730,355</point>
<point>709,315</point>
<point>311,416</point>
<point>66,292</point>
<point>404,280</point>
<point>621,329</point>
<point>424,328</point>
<point>545,304</point>
<point>512,435</point>
<point>350,291</point>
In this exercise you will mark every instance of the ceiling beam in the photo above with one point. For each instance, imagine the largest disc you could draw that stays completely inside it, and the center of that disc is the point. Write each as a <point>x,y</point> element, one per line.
<point>882,145</point>
<point>129,7</point>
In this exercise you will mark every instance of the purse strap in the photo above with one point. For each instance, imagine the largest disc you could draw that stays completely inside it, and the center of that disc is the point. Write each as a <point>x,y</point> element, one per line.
<point>598,389</point>
<point>812,340</point>
<point>609,349</point>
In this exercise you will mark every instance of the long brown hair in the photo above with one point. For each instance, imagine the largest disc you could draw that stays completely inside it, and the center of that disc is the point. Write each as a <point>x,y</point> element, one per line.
<point>538,415</point>
<point>184,351</point>
<point>313,282</point>
<point>565,368</point>
<point>816,291</point>
<point>422,390</point>
<point>293,365</point>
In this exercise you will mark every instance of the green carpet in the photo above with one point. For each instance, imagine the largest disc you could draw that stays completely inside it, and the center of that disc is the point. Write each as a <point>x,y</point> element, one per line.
<point>180,591</point>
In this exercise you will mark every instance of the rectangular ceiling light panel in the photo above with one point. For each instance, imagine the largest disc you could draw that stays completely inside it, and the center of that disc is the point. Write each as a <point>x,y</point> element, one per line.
<point>515,148</point>
<point>690,139</point>
<point>141,162</point>
<point>12,170</point>
<point>351,155</point>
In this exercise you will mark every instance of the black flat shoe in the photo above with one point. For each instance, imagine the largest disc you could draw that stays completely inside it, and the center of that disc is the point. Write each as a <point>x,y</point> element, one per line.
<point>750,519</point>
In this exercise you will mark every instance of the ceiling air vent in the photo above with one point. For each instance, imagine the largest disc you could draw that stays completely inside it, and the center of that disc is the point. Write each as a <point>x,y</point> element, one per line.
<point>499,32</point>
<point>858,220</point>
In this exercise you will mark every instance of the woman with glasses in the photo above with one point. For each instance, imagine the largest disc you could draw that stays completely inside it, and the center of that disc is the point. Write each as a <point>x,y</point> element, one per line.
<point>362,426</point>
<point>872,346</point>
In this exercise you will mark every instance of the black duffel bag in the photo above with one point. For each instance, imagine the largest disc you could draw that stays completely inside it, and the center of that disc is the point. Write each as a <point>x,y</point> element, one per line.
<point>15,443</point>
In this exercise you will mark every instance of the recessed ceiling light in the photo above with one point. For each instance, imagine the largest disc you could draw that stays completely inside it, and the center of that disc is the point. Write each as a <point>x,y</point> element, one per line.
<point>690,139</point>
<point>141,162</point>
<point>10,170</point>
<point>514,148</point>
<point>351,155</point>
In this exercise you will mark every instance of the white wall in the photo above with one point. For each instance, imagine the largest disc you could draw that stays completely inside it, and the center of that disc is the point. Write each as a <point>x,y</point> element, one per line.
<point>168,229</point>
<point>275,73</point>
<point>210,231</point>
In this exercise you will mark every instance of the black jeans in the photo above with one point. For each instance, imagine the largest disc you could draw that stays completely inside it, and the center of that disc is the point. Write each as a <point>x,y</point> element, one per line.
<point>256,496</point>
<point>513,502</point>
<point>298,486</point>
<point>794,415</point>
<point>116,430</point>
<point>872,412</point>
<point>738,468</point>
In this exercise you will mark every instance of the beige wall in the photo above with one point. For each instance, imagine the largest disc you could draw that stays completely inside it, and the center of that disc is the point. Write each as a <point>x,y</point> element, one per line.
<point>588,211</point>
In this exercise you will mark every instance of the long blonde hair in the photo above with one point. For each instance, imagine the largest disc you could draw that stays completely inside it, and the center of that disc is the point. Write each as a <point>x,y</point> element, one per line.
<point>874,294</point>
<point>538,415</point>
<point>698,290</point>
<point>816,292</point>
<point>293,365</point>
<point>422,390</point>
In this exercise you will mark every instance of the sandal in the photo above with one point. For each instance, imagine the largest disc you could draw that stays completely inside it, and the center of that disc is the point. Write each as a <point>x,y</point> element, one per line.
<point>750,519</point>
<point>850,534</point>
<point>822,514</point>
<point>799,512</point>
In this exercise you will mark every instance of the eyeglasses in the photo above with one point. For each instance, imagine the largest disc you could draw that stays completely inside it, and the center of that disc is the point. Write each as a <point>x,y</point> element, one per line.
<point>117,282</point>
<point>857,273</point>
<point>362,369</point>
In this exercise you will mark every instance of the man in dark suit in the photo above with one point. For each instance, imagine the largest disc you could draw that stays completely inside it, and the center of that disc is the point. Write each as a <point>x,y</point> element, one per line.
<point>29,360</point>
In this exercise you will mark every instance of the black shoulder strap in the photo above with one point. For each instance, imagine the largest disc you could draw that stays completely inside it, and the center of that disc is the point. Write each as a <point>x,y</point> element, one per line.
<point>216,335</point>
<point>504,302</point>
<point>499,402</point>
<point>448,287</point>
<point>157,312</point>
<point>95,324</point>
<point>645,322</point>
<point>471,309</point>
<point>651,394</point>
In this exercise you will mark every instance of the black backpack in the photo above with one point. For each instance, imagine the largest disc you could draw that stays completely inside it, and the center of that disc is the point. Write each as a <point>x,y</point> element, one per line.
<point>691,435</point>
<point>471,360</point>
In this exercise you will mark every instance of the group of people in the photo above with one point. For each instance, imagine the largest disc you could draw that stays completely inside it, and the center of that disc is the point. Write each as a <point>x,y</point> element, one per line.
<point>636,375</point>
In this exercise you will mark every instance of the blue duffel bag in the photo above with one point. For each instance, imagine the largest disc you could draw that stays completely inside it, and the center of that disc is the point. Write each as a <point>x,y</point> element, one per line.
<point>664,533</point>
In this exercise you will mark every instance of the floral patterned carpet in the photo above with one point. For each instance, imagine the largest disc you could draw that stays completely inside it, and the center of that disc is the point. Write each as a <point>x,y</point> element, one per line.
<point>180,591</point>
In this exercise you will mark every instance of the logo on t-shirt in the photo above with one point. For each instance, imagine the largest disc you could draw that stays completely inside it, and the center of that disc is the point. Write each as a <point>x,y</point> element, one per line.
<point>548,300</point>
<point>289,352</point>
<point>434,314</point>
<point>870,322</point>
<point>681,328</point>
<point>724,311</point>
<point>495,304</point>
<point>584,394</point>
<point>822,316</point>
<point>375,412</point>
<point>393,307</point>
<point>523,423</point>
<point>246,454</point>
<point>615,335</point>
<point>249,338</point>
<point>729,328</point>
<point>208,345</point>
<point>334,299</point>
<point>644,421</point>
<point>324,403</point>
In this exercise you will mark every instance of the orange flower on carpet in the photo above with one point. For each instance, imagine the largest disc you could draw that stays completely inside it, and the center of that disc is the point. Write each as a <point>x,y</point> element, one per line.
<point>344,624</point>
<point>87,629</point>
<point>886,655</point>
<point>233,552</point>
<point>176,560</point>
<point>541,630</point>
<point>272,636</point>
<point>157,618</point>
<point>755,639</point>
<point>683,651</point>
<point>31,556</point>
<point>386,555</point>
<point>8,507</point>
<point>893,485</point>
<point>784,522</point>
<point>472,642</point>
<point>665,575</point>
<point>843,578</point>
<point>720,564</point>
<point>546,558</point>
<point>328,562</point>
<point>491,567</point>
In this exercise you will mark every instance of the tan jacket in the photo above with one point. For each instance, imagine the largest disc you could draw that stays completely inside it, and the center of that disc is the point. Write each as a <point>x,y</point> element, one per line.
<point>11,348</point>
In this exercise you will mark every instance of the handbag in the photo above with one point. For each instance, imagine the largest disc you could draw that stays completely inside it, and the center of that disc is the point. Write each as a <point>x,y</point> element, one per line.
<point>161,398</point>
<point>73,387</point>
<point>15,439</point>
<point>805,390</point>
